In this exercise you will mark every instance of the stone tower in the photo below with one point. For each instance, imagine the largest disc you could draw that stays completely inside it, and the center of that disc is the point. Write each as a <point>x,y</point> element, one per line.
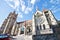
<point>41,24</point>
<point>8,23</point>
<point>50,18</point>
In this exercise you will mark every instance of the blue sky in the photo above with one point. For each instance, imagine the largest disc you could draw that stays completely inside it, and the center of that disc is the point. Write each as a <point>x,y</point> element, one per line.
<point>26,8</point>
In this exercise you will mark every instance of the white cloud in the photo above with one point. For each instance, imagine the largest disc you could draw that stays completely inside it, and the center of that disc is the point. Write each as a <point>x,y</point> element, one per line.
<point>10,5</point>
<point>23,7</point>
<point>8,0</point>
<point>33,1</point>
<point>28,9</point>
<point>16,3</point>
<point>56,10</point>
<point>20,15</point>
<point>20,5</point>
<point>55,1</point>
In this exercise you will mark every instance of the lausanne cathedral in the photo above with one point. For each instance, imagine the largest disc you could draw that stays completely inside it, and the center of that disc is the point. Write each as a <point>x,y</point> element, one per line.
<point>43,26</point>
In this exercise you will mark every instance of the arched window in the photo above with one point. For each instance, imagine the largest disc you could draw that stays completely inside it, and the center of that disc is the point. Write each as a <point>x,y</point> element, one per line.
<point>44,26</point>
<point>40,27</point>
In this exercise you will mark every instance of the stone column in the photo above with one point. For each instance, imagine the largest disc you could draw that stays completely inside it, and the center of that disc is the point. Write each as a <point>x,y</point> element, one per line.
<point>19,31</point>
<point>33,25</point>
<point>25,31</point>
<point>12,32</point>
<point>16,30</point>
<point>6,26</point>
